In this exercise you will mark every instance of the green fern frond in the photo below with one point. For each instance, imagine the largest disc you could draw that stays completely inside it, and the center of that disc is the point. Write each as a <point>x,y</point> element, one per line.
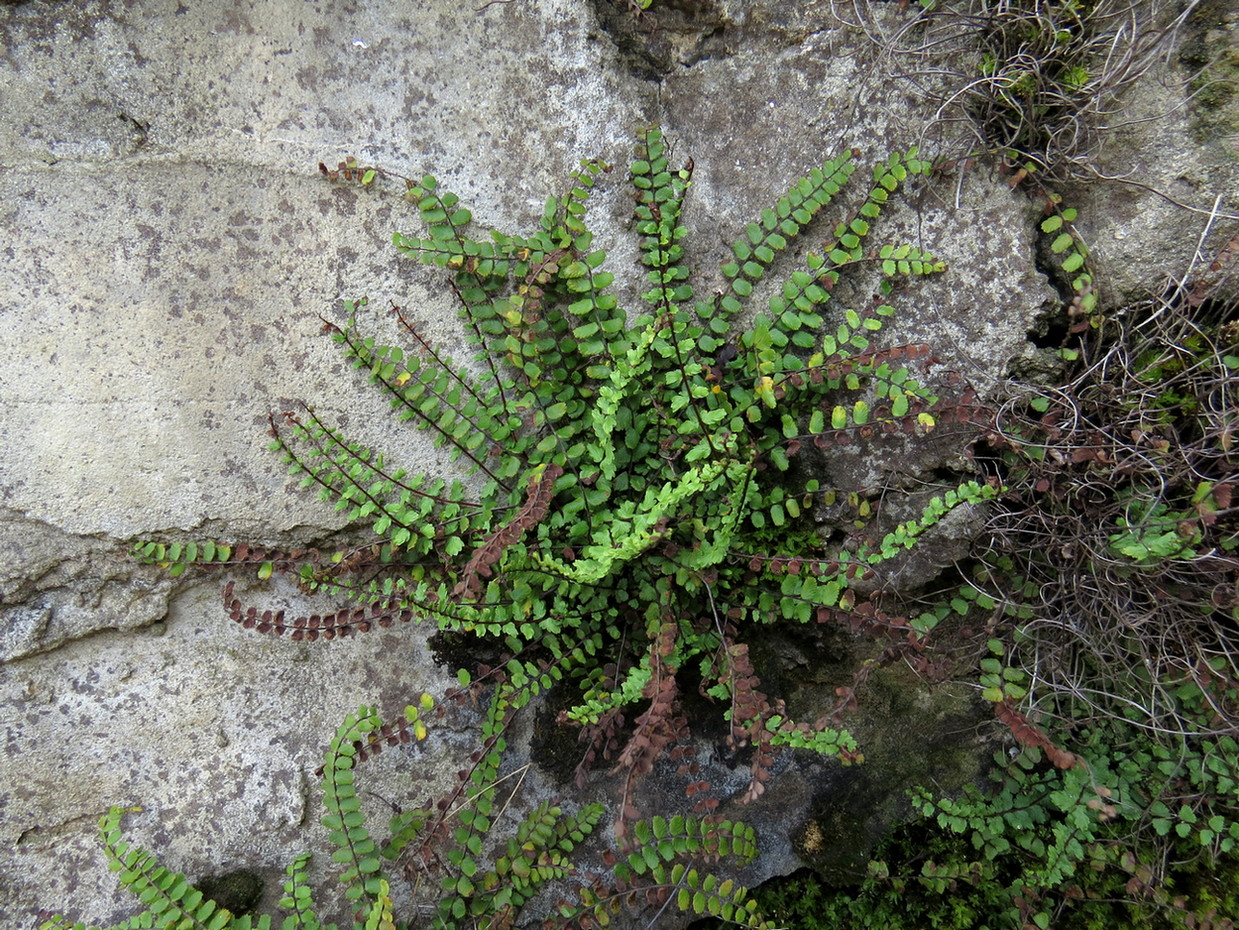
<point>299,900</point>
<point>905,535</point>
<point>658,870</point>
<point>345,821</point>
<point>169,900</point>
<point>176,557</point>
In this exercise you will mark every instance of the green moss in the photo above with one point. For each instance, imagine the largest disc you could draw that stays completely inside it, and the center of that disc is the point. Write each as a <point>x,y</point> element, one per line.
<point>1210,54</point>
<point>912,734</point>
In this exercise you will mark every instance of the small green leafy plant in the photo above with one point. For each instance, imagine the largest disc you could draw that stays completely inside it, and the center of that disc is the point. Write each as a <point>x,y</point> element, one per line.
<point>1124,477</point>
<point>1109,598</point>
<point>1042,80</point>
<point>1137,835</point>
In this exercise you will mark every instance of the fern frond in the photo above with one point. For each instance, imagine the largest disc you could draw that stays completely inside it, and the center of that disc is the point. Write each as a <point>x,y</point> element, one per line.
<point>346,822</point>
<point>660,197</point>
<point>537,854</point>
<point>177,557</point>
<point>905,535</point>
<point>657,727</point>
<point>692,836</point>
<point>344,622</point>
<point>656,874</point>
<point>406,828</point>
<point>821,739</point>
<point>170,900</point>
<point>756,251</point>
<point>481,564</point>
<point>381,916</point>
<point>906,260</point>
<point>429,396</point>
<point>351,477</point>
<point>299,899</point>
<point>888,177</point>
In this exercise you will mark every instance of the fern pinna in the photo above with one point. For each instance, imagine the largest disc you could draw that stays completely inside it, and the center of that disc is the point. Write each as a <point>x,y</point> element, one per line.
<point>639,515</point>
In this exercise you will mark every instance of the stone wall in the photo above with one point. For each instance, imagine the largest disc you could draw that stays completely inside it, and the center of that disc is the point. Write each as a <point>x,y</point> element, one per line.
<point>169,246</point>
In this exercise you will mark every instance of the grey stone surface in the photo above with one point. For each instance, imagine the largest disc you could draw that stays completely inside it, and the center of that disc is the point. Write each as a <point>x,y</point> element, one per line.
<point>215,733</point>
<point>1160,195</point>
<point>55,587</point>
<point>168,248</point>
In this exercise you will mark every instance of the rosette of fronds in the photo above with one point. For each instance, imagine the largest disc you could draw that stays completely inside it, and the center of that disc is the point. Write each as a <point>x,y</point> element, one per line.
<point>639,513</point>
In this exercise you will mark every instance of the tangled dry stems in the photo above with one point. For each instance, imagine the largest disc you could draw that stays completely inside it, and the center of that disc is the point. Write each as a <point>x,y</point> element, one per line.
<point>1139,445</point>
<point>1038,81</point>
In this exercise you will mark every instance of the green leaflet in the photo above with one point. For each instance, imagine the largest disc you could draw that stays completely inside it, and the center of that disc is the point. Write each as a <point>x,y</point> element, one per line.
<point>636,529</point>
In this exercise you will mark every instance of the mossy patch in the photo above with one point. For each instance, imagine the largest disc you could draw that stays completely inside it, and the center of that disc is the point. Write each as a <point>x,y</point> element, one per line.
<point>913,734</point>
<point>1210,54</point>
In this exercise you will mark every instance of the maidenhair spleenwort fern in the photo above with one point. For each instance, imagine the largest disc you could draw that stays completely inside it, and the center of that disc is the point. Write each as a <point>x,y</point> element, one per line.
<point>639,516</point>
<point>484,882</point>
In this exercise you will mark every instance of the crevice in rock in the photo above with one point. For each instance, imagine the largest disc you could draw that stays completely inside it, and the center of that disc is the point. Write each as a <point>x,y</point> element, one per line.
<point>239,891</point>
<point>57,586</point>
<point>680,33</point>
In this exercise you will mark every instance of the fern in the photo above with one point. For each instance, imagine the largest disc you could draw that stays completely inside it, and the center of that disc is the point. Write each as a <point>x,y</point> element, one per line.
<point>637,491</point>
<point>299,900</point>
<point>655,874</point>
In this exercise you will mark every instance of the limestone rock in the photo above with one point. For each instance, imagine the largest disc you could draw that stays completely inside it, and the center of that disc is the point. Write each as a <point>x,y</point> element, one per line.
<point>55,587</point>
<point>169,247</point>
